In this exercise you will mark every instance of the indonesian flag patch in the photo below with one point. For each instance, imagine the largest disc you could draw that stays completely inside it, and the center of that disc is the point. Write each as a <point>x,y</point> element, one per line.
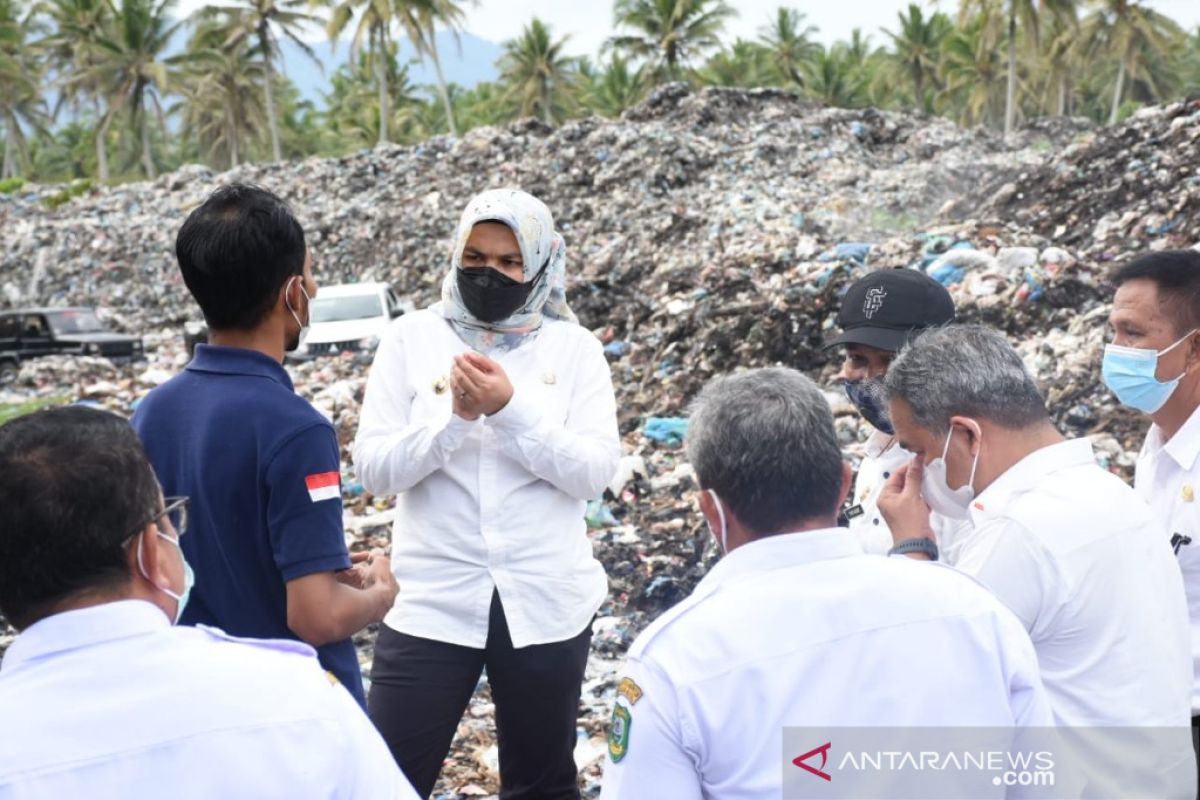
<point>324,486</point>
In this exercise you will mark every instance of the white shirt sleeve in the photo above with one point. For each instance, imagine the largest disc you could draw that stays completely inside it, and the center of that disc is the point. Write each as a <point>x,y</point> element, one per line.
<point>391,453</point>
<point>651,759</point>
<point>1009,561</point>
<point>579,457</point>
<point>369,771</point>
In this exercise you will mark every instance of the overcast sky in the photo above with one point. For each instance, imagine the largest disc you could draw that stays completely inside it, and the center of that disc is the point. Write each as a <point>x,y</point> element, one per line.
<point>589,22</point>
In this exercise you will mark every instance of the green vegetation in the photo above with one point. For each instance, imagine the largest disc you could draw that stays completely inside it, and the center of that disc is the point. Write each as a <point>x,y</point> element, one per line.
<point>13,410</point>
<point>135,111</point>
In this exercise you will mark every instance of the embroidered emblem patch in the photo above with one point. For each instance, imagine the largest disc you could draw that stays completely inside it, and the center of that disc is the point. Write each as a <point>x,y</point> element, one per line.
<point>629,690</point>
<point>874,301</point>
<point>1189,494</point>
<point>618,732</point>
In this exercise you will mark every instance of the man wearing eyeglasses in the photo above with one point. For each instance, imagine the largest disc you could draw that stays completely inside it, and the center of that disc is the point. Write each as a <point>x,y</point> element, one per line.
<point>100,695</point>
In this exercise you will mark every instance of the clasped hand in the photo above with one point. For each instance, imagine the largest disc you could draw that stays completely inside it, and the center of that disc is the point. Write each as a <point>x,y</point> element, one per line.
<point>479,385</point>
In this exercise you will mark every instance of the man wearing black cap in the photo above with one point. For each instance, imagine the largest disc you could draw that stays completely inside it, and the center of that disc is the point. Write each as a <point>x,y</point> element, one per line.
<point>879,315</point>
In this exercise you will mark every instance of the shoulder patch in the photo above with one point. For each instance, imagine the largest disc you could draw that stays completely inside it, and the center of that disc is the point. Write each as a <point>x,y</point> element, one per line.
<point>618,732</point>
<point>628,689</point>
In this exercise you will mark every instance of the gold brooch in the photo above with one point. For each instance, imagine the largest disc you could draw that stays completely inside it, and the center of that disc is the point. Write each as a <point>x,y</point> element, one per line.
<point>1188,494</point>
<point>439,385</point>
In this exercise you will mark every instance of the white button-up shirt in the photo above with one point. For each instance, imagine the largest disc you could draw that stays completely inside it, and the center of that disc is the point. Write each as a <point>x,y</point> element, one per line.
<point>883,457</point>
<point>494,503</point>
<point>1168,478</point>
<point>1082,562</point>
<point>805,630</point>
<point>113,701</point>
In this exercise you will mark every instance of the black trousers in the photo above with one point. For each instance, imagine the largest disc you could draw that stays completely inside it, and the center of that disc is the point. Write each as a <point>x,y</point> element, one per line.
<point>421,687</point>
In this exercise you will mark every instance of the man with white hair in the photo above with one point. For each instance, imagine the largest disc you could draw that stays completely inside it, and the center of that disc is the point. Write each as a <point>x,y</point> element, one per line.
<point>1069,547</point>
<point>796,625</point>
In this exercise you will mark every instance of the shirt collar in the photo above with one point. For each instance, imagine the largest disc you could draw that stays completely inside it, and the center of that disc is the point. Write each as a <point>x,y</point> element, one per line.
<point>781,551</point>
<point>84,627</point>
<point>878,443</point>
<point>1030,472</point>
<point>238,361</point>
<point>1184,446</point>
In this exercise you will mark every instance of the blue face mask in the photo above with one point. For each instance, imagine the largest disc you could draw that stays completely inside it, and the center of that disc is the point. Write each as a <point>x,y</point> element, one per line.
<point>1130,373</point>
<point>189,578</point>
<point>870,398</point>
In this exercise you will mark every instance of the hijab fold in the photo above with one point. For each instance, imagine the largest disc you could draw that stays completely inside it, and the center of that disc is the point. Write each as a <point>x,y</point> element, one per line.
<point>541,246</point>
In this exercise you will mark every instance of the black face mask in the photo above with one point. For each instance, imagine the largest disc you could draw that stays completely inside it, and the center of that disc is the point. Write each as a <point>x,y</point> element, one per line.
<point>490,295</point>
<point>870,398</point>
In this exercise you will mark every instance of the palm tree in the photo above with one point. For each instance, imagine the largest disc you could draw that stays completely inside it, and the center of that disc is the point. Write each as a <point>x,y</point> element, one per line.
<point>374,27</point>
<point>129,66</point>
<point>790,43</point>
<point>71,45</point>
<point>222,106</point>
<point>971,68</point>
<point>833,77</point>
<point>746,64</point>
<point>418,19</point>
<point>538,77</point>
<point>353,103</point>
<point>21,103</point>
<point>1030,14</point>
<point>668,34</point>
<point>264,21</point>
<point>917,47</point>
<point>615,89</point>
<point>1132,32</point>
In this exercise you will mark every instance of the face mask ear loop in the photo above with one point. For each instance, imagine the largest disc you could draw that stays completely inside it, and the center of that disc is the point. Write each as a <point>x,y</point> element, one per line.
<point>975,463</point>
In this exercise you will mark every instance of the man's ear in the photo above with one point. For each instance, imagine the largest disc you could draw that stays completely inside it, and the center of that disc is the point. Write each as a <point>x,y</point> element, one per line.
<point>972,429</point>
<point>151,568</point>
<point>708,507</point>
<point>847,478</point>
<point>1192,362</point>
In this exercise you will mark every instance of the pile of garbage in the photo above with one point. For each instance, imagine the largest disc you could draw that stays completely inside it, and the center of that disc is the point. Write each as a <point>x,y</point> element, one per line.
<point>709,231</point>
<point>1115,190</point>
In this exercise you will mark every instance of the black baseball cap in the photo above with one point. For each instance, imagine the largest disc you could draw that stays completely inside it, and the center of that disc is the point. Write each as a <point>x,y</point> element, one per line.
<point>885,308</point>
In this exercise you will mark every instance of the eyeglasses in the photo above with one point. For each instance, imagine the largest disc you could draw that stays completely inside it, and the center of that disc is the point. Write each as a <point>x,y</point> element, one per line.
<point>175,510</point>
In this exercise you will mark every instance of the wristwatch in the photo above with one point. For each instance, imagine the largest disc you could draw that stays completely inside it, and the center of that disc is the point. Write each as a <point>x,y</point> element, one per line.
<point>926,546</point>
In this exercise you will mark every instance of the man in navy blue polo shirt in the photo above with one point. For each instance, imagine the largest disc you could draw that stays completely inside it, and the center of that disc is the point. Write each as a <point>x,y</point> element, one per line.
<point>260,464</point>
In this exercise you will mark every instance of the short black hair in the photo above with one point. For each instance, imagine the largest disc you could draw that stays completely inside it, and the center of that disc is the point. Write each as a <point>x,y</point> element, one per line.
<point>74,485</point>
<point>236,251</point>
<point>1176,273</point>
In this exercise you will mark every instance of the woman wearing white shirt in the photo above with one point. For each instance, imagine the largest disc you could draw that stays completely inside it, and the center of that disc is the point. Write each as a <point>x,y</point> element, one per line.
<point>491,416</point>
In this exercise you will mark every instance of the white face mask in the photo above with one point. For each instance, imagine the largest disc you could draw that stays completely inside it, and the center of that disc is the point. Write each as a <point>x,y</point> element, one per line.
<point>721,514</point>
<point>952,503</point>
<point>303,325</point>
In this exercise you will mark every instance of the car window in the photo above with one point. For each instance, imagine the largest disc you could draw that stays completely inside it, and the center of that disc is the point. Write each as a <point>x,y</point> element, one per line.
<point>338,309</point>
<point>34,325</point>
<point>75,321</point>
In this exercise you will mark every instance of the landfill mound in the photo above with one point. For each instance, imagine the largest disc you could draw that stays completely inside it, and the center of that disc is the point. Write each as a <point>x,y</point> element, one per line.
<point>1116,189</point>
<point>708,231</point>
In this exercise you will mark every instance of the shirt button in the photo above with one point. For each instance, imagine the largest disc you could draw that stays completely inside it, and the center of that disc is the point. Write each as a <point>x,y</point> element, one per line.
<point>876,520</point>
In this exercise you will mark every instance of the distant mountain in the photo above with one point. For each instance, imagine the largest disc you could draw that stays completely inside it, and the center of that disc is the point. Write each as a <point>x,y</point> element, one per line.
<point>467,65</point>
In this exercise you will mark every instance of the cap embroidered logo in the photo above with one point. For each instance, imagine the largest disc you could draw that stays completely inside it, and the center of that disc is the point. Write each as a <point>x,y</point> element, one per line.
<point>874,301</point>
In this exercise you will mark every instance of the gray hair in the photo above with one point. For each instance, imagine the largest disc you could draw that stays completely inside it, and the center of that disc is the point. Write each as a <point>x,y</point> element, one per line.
<point>966,370</point>
<point>763,440</point>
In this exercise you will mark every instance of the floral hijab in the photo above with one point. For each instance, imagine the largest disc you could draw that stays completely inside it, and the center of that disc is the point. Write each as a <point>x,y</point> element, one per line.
<point>541,245</point>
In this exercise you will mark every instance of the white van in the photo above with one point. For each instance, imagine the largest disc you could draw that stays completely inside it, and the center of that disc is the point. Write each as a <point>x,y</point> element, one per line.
<point>349,318</point>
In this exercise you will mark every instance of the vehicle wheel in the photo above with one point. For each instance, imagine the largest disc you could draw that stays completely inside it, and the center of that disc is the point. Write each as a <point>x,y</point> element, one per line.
<point>8,373</point>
